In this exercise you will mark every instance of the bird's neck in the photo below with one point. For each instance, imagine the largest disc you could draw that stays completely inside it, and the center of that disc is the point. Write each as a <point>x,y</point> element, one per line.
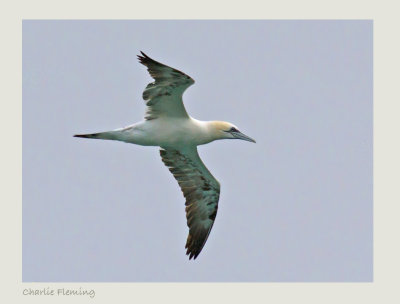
<point>214,129</point>
<point>206,130</point>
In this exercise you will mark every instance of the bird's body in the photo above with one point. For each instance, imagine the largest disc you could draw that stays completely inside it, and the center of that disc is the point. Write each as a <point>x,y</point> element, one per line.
<point>169,132</point>
<point>168,126</point>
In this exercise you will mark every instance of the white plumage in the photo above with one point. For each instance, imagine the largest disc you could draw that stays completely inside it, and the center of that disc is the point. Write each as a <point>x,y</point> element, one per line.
<point>166,124</point>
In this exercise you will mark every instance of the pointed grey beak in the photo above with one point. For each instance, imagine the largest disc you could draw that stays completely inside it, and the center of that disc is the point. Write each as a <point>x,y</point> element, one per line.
<point>240,135</point>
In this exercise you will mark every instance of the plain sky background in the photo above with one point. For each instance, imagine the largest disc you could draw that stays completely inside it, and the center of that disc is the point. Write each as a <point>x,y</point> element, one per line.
<point>296,206</point>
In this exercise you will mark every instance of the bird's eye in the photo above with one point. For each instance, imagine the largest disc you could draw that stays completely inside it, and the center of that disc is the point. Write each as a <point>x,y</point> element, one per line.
<point>233,130</point>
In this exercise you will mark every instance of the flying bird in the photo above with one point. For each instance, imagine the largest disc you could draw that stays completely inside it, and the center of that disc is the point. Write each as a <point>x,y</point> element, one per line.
<point>167,124</point>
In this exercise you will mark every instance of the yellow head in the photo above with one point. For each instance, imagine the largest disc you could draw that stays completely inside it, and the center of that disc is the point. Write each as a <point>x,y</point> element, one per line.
<point>226,130</point>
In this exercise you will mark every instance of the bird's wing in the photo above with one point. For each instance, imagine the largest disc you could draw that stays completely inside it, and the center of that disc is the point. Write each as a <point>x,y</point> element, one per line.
<point>201,191</point>
<point>164,96</point>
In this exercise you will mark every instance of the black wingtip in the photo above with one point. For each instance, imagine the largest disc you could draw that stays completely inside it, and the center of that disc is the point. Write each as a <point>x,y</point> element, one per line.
<point>192,255</point>
<point>143,59</point>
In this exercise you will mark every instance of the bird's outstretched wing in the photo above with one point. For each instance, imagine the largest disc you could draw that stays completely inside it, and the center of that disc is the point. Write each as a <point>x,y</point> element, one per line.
<point>201,191</point>
<point>164,96</point>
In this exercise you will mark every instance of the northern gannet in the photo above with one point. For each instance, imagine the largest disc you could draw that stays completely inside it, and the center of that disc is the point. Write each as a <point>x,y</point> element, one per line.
<point>166,124</point>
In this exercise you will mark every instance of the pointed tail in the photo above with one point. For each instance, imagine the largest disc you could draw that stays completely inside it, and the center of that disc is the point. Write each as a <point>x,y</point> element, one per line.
<point>102,135</point>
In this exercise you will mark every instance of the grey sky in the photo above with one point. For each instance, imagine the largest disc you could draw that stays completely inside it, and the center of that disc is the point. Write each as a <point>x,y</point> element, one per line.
<point>296,206</point>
